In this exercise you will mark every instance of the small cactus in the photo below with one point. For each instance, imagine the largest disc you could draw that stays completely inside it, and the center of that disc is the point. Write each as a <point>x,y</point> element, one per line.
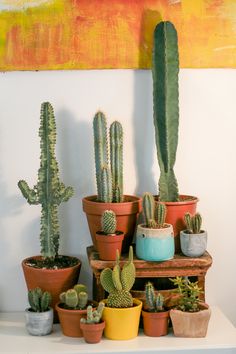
<point>154,302</point>
<point>108,222</point>
<point>39,301</point>
<point>193,223</point>
<point>94,316</point>
<point>76,298</point>
<point>160,214</point>
<point>154,215</point>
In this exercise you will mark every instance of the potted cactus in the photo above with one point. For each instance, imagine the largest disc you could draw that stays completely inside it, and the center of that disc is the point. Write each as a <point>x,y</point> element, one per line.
<point>109,239</point>
<point>165,72</point>
<point>109,178</point>
<point>93,326</point>
<point>193,240</point>
<point>155,317</point>
<point>190,317</point>
<point>39,317</point>
<point>154,238</point>
<point>50,271</point>
<point>121,312</point>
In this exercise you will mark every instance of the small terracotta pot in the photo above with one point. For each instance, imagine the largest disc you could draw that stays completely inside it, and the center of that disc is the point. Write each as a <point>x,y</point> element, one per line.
<point>92,332</point>
<point>70,321</point>
<point>155,324</point>
<point>126,216</point>
<point>108,244</point>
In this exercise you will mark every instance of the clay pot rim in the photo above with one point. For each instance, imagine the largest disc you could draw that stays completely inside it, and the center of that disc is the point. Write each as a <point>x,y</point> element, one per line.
<point>87,325</point>
<point>61,309</point>
<point>24,264</point>
<point>164,313</point>
<point>117,233</point>
<point>192,200</point>
<point>156,228</point>
<point>202,232</point>
<point>92,199</point>
<point>38,313</point>
<point>203,307</point>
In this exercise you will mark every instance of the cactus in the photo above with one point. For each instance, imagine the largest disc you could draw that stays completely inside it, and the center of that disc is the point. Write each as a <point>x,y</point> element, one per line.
<point>105,185</point>
<point>116,157</point>
<point>39,301</point>
<point>49,191</point>
<point>166,106</point>
<point>149,210</point>
<point>153,302</point>
<point>76,298</point>
<point>160,214</point>
<point>193,223</point>
<point>94,316</point>
<point>108,222</point>
<point>118,282</point>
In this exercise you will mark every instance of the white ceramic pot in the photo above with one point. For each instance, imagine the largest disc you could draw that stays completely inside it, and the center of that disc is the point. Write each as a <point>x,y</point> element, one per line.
<point>39,323</point>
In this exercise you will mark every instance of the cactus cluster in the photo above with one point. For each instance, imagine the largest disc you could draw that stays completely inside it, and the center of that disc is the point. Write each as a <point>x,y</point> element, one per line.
<point>154,213</point>
<point>109,178</point>
<point>108,222</point>
<point>76,298</point>
<point>93,316</point>
<point>154,302</point>
<point>49,191</point>
<point>118,282</point>
<point>193,223</point>
<point>166,106</point>
<point>39,300</point>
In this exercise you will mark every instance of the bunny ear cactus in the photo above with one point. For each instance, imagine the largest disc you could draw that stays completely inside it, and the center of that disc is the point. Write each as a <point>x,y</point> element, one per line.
<point>166,106</point>
<point>193,223</point>
<point>49,191</point>
<point>118,282</point>
<point>108,222</point>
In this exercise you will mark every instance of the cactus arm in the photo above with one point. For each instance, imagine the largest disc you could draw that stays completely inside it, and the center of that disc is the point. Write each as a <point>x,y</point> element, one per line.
<point>80,288</point>
<point>108,222</point>
<point>149,210</point>
<point>106,185</point>
<point>160,214</point>
<point>128,272</point>
<point>82,300</point>
<point>116,157</point>
<point>29,194</point>
<point>150,296</point>
<point>106,280</point>
<point>45,301</point>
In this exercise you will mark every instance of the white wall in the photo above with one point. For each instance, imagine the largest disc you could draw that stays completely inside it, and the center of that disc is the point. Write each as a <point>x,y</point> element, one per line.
<point>206,162</point>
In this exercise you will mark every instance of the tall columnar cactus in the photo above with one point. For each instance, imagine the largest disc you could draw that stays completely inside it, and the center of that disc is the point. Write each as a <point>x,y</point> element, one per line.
<point>149,210</point>
<point>154,302</point>
<point>93,316</point>
<point>118,282</point>
<point>39,301</point>
<point>116,156</point>
<point>105,185</point>
<point>76,298</point>
<point>166,106</point>
<point>108,222</point>
<point>160,214</point>
<point>49,191</point>
<point>193,223</point>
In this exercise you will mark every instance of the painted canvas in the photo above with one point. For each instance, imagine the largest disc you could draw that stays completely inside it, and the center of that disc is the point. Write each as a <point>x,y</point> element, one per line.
<point>99,34</point>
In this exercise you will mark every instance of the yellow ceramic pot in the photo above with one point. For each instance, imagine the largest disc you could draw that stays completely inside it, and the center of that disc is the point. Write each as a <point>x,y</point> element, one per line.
<point>122,323</point>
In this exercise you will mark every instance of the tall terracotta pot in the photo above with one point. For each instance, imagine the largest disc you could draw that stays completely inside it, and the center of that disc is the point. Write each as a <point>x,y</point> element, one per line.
<point>126,216</point>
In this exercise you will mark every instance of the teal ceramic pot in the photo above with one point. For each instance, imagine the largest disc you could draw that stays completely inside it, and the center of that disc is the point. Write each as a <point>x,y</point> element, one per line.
<point>193,245</point>
<point>155,244</point>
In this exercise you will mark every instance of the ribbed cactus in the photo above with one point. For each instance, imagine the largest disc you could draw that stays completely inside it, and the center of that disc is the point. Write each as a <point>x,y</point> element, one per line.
<point>105,185</point>
<point>193,223</point>
<point>118,282</point>
<point>149,210</point>
<point>160,214</point>
<point>166,106</point>
<point>108,222</point>
<point>116,156</point>
<point>49,191</point>
<point>76,298</point>
<point>94,316</point>
<point>154,302</point>
<point>39,301</point>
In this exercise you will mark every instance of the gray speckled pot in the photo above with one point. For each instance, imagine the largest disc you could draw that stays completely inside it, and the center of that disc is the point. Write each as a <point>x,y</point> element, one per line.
<point>39,323</point>
<point>193,245</point>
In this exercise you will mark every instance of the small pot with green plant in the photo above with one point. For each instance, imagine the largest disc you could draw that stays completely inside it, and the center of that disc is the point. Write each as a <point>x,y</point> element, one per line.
<point>109,178</point>
<point>121,312</point>
<point>39,317</point>
<point>190,317</point>
<point>193,240</point>
<point>154,238</point>
<point>93,326</point>
<point>109,239</point>
<point>155,316</point>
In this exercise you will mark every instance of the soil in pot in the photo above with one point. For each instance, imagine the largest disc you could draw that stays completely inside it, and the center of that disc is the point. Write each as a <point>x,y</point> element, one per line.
<point>92,332</point>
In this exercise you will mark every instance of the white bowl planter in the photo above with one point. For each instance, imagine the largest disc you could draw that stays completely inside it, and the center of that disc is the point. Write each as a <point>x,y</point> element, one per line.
<point>193,245</point>
<point>39,323</point>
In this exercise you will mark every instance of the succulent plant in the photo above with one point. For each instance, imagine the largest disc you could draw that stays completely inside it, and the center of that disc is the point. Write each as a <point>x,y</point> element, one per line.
<point>160,214</point>
<point>93,316</point>
<point>166,106</point>
<point>108,222</point>
<point>39,300</point>
<point>76,298</point>
<point>154,302</point>
<point>49,191</point>
<point>118,282</point>
<point>193,223</point>
<point>154,213</point>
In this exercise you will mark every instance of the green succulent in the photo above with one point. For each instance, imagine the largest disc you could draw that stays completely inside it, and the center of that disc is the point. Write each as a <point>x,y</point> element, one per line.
<point>39,300</point>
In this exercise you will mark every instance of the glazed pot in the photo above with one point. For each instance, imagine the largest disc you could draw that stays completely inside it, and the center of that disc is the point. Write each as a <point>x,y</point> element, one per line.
<point>107,245</point>
<point>155,244</point>
<point>92,332</point>
<point>122,323</point>
<point>126,216</point>
<point>193,245</point>
<point>39,323</point>
<point>155,324</point>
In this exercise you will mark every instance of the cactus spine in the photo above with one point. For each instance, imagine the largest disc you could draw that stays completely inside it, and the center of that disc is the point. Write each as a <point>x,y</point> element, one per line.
<point>39,301</point>
<point>49,191</point>
<point>76,298</point>
<point>108,222</point>
<point>116,155</point>
<point>153,301</point>
<point>94,316</point>
<point>193,223</point>
<point>166,106</point>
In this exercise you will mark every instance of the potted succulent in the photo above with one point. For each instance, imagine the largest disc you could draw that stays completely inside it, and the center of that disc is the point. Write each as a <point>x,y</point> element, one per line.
<point>109,239</point>
<point>39,317</point>
<point>154,238</point>
<point>165,72</point>
<point>193,240</point>
<point>93,326</point>
<point>49,271</point>
<point>121,312</point>
<point>109,180</point>
<point>190,317</point>
<point>155,317</point>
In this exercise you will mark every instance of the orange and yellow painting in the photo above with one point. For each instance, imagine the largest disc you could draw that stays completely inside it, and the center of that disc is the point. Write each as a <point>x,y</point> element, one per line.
<point>99,34</point>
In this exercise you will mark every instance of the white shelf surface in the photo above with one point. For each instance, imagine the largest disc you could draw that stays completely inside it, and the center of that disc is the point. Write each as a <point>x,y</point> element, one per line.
<point>220,339</point>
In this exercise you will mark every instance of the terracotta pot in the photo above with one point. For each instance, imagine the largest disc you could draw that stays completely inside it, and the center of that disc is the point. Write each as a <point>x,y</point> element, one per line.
<point>53,280</point>
<point>126,215</point>
<point>108,244</point>
<point>190,324</point>
<point>70,321</point>
<point>193,245</point>
<point>155,324</point>
<point>175,215</point>
<point>92,332</point>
